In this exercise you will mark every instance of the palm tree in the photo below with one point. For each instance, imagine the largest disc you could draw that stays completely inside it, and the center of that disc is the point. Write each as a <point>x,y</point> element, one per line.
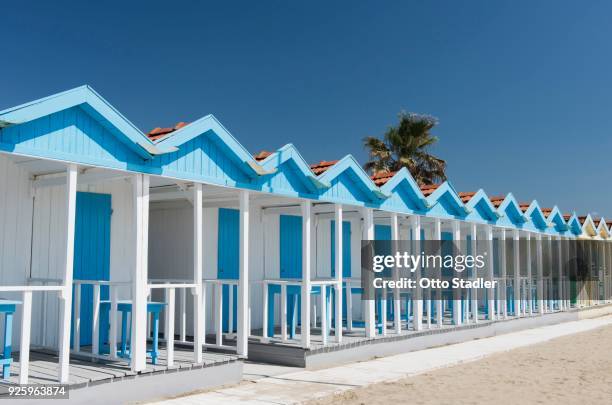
<point>406,145</point>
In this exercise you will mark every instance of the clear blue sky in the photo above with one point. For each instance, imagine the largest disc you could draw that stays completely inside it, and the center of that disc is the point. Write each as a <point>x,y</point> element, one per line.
<point>522,89</point>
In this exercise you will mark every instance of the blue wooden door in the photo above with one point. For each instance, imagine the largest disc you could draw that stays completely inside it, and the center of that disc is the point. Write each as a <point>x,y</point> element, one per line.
<point>92,256</point>
<point>346,249</point>
<point>290,246</point>
<point>228,255</point>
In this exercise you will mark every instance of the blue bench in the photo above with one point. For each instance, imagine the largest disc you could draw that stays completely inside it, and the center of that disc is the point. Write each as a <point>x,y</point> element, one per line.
<point>125,307</point>
<point>7,307</point>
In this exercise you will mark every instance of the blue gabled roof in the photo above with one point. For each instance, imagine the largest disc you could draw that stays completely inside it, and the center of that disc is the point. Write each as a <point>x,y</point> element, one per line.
<point>350,164</point>
<point>207,125</point>
<point>402,187</point>
<point>511,213</point>
<point>277,161</point>
<point>556,217</point>
<point>445,201</point>
<point>538,219</point>
<point>574,224</point>
<point>481,209</point>
<point>93,104</point>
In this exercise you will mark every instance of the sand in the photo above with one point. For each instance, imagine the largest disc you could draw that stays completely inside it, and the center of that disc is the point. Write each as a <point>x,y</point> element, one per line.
<point>575,369</point>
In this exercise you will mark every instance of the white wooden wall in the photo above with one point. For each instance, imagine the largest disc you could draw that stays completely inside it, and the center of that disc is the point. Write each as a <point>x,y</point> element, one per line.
<point>39,254</point>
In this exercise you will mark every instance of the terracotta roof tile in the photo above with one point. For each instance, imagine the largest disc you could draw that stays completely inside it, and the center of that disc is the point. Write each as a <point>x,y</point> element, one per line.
<point>382,177</point>
<point>428,189</point>
<point>497,200</point>
<point>524,206</point>
<point>158,132</point>
<point>546,211</point>
<point>262,155</point>
<point>322,166</point>
<point>466,196</point>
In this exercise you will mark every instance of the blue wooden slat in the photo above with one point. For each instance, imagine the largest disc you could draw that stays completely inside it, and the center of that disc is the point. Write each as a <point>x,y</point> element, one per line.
<point>92,255</point>
<point>227,257</point>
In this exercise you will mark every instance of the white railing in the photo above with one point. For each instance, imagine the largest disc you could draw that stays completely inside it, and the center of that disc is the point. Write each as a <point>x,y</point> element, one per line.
<point>216,294</point>
<point>169,287</point>
<point>26,321</point>
<point>113,287</point>
<point>216,286</point>
<point>284,283</point>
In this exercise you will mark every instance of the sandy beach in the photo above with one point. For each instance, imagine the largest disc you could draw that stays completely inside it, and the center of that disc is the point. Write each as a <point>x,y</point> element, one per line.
<point>569,370</point>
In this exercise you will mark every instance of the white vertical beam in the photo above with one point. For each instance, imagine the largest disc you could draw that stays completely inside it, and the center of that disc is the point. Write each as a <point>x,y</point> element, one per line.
<point>502,262</point>
<point>95,320</point>
<point>457,291</point>
<point>490,274</point>
<point>76,340</point>
<point>529,275</point>
<point>139,276</point>
<point>339,271</point>
<point>306,207</point>
<point>198,291</point>
<point>170,328</point>
<point>66,296</point>
<point>418,299</point>
<point>242,341</point>
<point>560,273</point>
<point>397,307</point>
<point>474,238</point>
<point>114,293</point>
<point>517,272</point>
<point>26,327</point>
<point>438,237</point>
<point>368,234</point>
<point>539,274</point>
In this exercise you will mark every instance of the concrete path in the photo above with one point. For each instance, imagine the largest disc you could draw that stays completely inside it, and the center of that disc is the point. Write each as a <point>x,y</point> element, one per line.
<point>283,385</point>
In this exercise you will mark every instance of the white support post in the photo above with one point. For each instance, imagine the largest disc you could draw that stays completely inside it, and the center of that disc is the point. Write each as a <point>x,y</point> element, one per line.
<point>539,274</point>
<point>198,291</point>
<point>324,314</point>
<point>517,273</point>
<point>339,272</point>
<point>76,341</point>
<point>139,276</point>
<point>265,312</point>
<point>170,328</point>
<point>418,299</point>
<point>438,237</point>
<point>24,348</point>
<point>529,275</point>
<point>283,312</point>
<point>183,313</point>
<point>306,207</point>
<point>242,340</point>
<point>95,320</point>
<point>560,294</point>
<point>397,302</point>
<point>503,274</point>
<point>474,238</point>
<point>457,291</point>
<point>114,293</point>
<point>66,295</point>
<point>219,314</point>
<point>370,315</point>
<point>490,274</point>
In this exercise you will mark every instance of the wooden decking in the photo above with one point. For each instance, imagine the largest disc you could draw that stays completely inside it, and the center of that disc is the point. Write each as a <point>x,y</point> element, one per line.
<point>85,371</point>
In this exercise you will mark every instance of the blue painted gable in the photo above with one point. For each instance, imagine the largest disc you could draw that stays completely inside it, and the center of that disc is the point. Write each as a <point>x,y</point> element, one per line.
<point>72,135</point>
